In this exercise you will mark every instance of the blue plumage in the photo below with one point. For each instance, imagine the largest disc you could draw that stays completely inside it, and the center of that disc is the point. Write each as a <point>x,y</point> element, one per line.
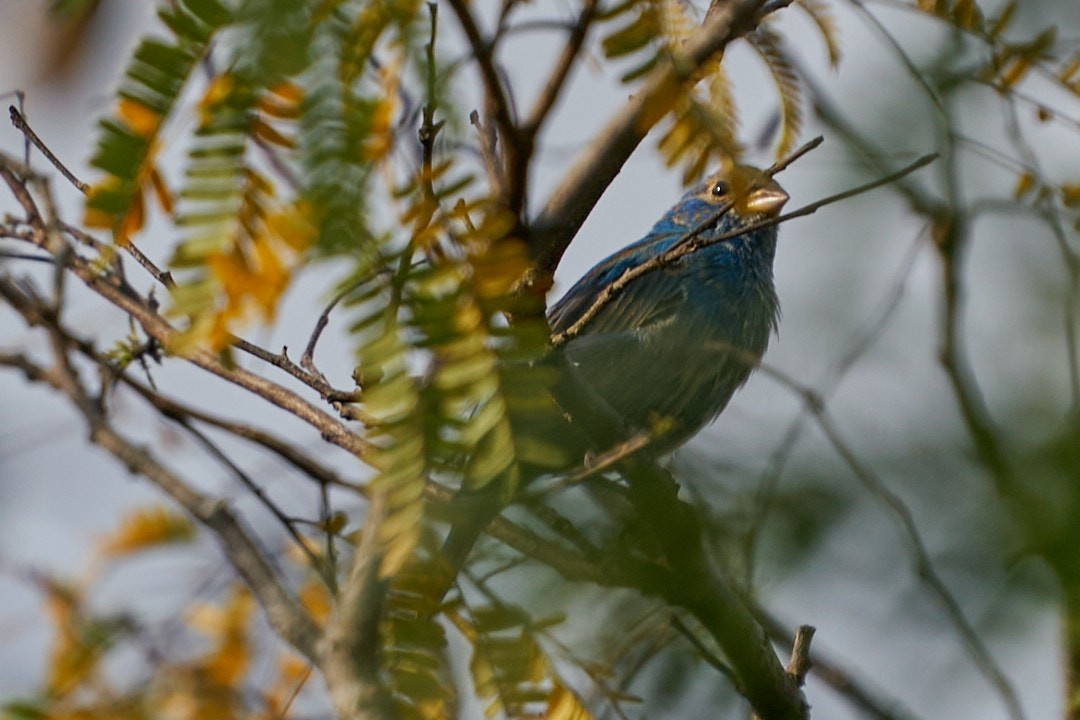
<point>667,353</point>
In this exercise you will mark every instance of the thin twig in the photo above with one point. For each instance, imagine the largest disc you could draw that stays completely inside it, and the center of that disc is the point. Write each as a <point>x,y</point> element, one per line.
<point>307,360</point>
<point>19,121</point>
<point>255,489</point>
<point>860,343</point>
<point>517,150</point>
<point>839,679</point>
<point>704,652</point>
<point>545,101</point>
<point>283,611</point>
<point>485,61</point>
<point>781,165</point>
<point>596,465</point>
<point>288,453</point>
<point>162,276</point>
<point>920,556</point>
<point>488,151</point>
<point>154,325</point>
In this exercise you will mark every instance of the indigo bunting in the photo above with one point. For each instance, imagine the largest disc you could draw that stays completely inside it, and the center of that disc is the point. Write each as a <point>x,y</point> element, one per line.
<point>667,352</point>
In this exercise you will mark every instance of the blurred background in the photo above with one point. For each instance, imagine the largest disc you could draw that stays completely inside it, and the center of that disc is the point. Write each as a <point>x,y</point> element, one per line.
<point>815,533</point>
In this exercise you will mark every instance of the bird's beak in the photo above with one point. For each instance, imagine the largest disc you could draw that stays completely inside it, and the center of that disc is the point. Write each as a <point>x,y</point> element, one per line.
<point>768,200</point>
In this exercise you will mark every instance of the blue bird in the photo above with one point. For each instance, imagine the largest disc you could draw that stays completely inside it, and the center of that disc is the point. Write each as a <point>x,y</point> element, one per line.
<point>667,353</point>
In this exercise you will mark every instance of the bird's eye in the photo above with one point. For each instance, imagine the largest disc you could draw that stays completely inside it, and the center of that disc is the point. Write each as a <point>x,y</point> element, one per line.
<point>720,189</point>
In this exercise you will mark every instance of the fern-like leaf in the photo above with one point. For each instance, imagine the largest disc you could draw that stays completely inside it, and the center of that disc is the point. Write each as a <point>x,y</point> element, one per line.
<point>127,146</point>
<point>768,46</point>
<point>703,129</point>
<point>510,669</point>
<point>821,14</point>
<point>414,645</point>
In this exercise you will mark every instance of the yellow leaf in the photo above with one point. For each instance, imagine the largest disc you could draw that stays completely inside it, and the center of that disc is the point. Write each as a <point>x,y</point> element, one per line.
<point>257,283</point>
<point>147,528</point>
<point>71,661</point>
<point>92,217</point>
<point>265,131</point>
<point>821,15</point>
<point>132,221</point>
<point>271,280</point>
<point>1003,19</point>
<point>380,139</point>
<point>282,101</point>
<point>161,191</point>
<point>788,86</point>
<point>316,600</point>
<point>1070,195</point>
<point>1070,69</point>
<point>636,35</point>
<point>335,523</point>
<point>966,14</point>
<point>1015,71</point>
<point>1024,183</point>
<point>564,705</point>
<point>399,549</point>
<point>140,119</point>
<point>292,225</point>
<point>227,627</point>
<point>216,92</point>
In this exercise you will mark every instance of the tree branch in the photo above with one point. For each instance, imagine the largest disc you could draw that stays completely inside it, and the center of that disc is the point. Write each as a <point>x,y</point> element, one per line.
<point>545,101</point>
<point>603,157</point>
<point>516,146</point>
<point>349,649</point>
<point>249,560</point>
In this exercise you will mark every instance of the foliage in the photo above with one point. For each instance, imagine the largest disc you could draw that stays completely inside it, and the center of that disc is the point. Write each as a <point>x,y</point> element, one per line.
<point>328,135</point>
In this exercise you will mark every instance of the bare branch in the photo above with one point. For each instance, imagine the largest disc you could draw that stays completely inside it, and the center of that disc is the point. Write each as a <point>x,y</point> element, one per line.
<point>485,61</point>
<point>289,453</point>
<point>920,556</point>
<point>699,588</point>
<point>349,649</point>
<point>601,463</point>
<point>307,360</point>
<point>545,101</point>
<point>516,146</point>
<point>127,300</point>
<point>839,679</point>
<point>603,157</point>
<point>19,121</point>
<point>249,560</point>
<point>782,165</point>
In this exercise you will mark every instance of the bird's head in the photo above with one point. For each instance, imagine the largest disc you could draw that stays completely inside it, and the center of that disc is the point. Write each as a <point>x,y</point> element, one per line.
<point>752,194</point>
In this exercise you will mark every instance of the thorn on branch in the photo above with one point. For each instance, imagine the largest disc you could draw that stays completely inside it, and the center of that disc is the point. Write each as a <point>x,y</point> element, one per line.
<point>800,663</point>
<point>488,151</point>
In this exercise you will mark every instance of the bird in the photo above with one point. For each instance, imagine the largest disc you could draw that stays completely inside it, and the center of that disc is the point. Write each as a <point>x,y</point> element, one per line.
<point>665,354</point>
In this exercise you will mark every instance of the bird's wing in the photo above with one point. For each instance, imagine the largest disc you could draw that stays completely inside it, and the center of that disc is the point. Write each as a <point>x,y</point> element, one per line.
<point>652,298</point>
